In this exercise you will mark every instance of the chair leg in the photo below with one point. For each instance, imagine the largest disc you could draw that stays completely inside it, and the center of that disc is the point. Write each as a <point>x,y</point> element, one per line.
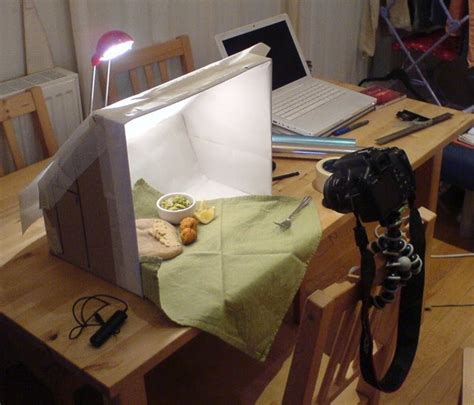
<point>467,215</point>
<point>308,354</point>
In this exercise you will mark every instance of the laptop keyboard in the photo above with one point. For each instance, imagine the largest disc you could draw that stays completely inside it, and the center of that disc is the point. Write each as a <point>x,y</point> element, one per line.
<point>297,102</point>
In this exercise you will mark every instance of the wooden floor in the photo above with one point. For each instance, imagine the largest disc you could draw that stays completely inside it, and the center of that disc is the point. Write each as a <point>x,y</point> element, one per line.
<point>208,371</point>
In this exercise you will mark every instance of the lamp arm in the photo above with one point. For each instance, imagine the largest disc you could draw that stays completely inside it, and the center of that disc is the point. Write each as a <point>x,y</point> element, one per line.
<point>107,85</point>
<point>92,90</point>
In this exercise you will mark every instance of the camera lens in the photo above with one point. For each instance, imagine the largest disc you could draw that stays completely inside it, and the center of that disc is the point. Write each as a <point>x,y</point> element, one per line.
<point>334,193</point>
<point>328,193</point>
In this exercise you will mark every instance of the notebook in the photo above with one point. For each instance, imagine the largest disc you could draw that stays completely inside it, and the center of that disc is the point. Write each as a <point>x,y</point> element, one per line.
<point>300,103</point>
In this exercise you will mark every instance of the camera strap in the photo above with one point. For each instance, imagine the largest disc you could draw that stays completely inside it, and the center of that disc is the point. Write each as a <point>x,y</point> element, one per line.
<point>409,320</point>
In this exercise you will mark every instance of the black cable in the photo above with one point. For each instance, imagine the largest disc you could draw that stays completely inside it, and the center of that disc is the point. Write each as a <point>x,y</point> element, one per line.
<point>80,305</point>
<point>285,176</point>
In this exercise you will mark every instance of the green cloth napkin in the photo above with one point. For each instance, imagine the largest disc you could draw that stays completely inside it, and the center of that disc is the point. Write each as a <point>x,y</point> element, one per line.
<point>239,278</point>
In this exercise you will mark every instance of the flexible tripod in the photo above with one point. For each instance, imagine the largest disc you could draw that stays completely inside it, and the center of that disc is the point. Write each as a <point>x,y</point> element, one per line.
<point>402,262</point>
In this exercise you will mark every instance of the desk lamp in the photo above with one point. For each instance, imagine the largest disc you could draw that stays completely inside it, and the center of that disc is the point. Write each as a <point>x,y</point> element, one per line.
<point>109,46</point>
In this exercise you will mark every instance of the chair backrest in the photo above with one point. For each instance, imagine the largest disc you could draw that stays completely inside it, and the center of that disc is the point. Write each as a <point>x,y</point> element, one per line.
<point>329,336</point>
<point>30,101</point>
<point>144,59</point>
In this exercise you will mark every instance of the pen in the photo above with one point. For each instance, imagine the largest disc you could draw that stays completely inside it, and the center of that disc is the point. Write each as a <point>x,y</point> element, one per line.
<point>349,128</point>
<point>284,176</point>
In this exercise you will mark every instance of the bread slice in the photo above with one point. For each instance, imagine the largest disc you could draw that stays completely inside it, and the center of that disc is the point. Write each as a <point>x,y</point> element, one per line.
<point>157,238</point>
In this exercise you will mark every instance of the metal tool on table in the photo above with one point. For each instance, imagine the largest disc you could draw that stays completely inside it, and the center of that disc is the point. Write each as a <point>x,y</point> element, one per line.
<point>416,125</point>
<point>285,224</point>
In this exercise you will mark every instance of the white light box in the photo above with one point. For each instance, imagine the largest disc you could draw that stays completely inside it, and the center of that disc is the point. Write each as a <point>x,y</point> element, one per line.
<point>207,133</point>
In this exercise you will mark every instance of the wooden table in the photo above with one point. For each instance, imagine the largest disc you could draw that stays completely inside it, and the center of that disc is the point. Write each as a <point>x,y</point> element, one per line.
<point>337,251</point>
<point>38,290</point>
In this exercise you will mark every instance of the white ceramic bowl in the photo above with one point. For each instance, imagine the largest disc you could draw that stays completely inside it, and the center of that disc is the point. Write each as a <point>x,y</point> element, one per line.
<point>175,216</point>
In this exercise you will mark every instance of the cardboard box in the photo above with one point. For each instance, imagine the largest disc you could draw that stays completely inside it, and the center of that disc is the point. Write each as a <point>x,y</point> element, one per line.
<point>207,133</point>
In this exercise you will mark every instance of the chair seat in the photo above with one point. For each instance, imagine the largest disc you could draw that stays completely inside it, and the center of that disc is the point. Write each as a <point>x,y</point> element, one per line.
<point>458,166</point>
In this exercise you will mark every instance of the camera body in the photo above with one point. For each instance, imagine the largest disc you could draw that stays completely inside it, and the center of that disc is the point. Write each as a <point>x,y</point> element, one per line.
<point>373,183</point>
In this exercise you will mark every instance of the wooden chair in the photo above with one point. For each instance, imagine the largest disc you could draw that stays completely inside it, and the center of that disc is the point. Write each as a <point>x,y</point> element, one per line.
<point>30,101</point>
<point>330,330</point>
<point>144,60</point>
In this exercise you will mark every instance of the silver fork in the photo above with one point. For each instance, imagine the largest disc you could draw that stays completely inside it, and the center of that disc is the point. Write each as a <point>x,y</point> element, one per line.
<point>285,224</point>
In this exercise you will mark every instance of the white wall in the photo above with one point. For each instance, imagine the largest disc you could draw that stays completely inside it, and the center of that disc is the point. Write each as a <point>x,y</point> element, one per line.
<point>56,20</point>
<point>329,34</point>
<point>12,57</point>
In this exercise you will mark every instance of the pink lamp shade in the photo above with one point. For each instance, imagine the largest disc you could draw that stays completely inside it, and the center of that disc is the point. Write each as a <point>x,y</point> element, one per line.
<point>110,45</point>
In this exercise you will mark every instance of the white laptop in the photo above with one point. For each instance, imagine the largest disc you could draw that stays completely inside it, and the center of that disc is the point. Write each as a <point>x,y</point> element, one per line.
<point>300,103</point>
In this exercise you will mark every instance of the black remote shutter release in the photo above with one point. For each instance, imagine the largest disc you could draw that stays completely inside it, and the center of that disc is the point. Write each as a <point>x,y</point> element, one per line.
<point>108,328</point>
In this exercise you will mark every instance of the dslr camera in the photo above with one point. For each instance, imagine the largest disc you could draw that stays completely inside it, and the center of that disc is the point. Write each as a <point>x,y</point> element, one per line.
<point>373,183</point>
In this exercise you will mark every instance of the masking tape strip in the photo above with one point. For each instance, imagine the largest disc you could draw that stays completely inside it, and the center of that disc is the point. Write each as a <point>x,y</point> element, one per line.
<point>322,174</point>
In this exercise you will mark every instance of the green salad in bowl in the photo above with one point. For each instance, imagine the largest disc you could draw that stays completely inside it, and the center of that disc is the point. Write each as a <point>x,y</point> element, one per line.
<point>173,207</point>
<point>175,203</point>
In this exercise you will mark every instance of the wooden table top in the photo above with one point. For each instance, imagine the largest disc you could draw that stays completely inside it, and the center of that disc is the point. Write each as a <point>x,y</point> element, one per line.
<point>37,290</point>
<point>419,146</point>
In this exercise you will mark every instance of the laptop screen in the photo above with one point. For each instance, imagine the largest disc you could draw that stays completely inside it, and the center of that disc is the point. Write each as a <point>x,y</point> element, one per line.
<point>287,66</point>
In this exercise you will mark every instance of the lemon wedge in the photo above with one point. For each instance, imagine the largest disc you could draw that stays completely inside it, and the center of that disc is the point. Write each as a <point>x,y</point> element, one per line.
<point>205,214</point>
